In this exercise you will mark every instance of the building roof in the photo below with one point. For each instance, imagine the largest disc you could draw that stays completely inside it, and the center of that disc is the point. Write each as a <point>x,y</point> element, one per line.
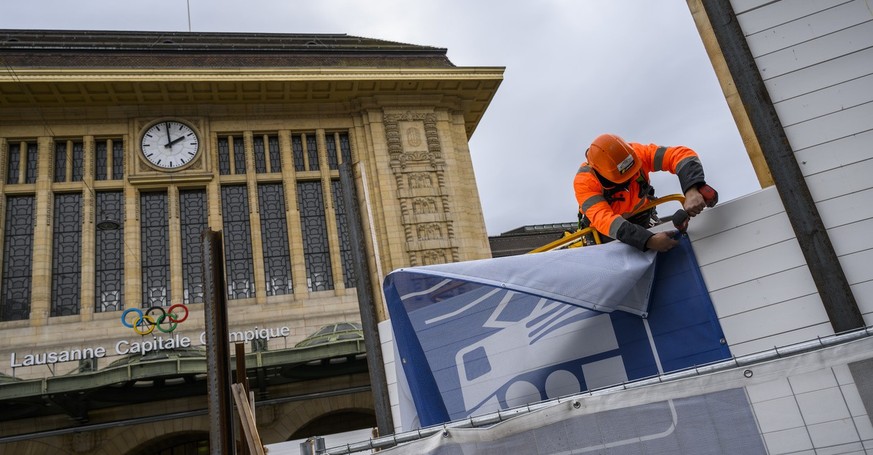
<point>126,49</point>
<point>523,239</point>
<point>62,68</point>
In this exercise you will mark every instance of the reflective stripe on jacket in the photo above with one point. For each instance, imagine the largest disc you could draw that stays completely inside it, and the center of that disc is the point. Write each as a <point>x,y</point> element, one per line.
<point>606,216</point>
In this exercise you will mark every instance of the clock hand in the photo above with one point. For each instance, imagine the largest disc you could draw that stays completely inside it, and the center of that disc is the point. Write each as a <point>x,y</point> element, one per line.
<point>167,126</point>
<point>170,144</point>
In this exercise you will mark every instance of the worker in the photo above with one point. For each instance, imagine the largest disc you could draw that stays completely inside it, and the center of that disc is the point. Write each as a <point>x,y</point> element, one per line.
<point>614,183</point>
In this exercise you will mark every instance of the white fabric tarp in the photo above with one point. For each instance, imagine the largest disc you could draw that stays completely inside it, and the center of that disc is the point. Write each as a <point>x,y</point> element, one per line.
<point>814,402</point>
<point>604,278</point>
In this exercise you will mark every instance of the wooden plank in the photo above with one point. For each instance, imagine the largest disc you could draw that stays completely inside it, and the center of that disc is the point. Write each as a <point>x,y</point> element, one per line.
<point>835,154</point>
<point>742,239</point>
<point>729,88</point>
<point>735,213</point>
<point>752,265</point>
<point>830,127</point>
<point>806,54</point>
<point>806,21</point>
<point>777,13</point>
<point>781,318</point>
<point>247,419</point>
<point>824,74</point>
<point>842,180</point>
<point>826,101</point>
<point>763,291</point>
<point>782,339</point>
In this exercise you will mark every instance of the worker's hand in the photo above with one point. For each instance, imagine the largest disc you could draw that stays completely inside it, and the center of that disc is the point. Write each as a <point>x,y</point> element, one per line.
<point>694,202</point>
<point>662,241</point>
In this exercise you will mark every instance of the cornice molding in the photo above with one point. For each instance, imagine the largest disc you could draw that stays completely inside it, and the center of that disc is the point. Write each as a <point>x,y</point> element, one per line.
<point>23,75</point>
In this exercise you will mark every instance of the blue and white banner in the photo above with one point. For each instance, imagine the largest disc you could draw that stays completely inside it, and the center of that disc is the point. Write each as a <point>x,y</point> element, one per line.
<point>481,336</point>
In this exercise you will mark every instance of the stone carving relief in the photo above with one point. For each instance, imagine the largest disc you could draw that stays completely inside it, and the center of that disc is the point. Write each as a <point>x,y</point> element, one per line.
<point>413,136</point>
<point>416,159</point>
<point>414,148</point>
<point>431,257</point>
<point>424,206</point>
<point>418,180</point>
<point>430,231</point>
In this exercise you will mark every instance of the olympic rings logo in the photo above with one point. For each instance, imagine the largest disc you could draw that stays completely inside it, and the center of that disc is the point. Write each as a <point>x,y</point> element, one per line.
<point>145,322</point>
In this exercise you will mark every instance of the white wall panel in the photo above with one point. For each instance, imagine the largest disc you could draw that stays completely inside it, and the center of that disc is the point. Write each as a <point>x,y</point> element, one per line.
<point>756,274</point>
<point>748,237</point>
<point>847,209</point>
<point>763,291</point>
<point>858,266</point>
<point>825,101</point>
<point>780,339</point>
<point>823,74</point>
<point>777,13</point>
<point>752,265</point>
<point>831,155</point>
<point>738,212</point>
<point>773,320</point>
<point>842,180</point>
<point>863,293</point>
<point>816,59</point>
<point>806,54</point>
<point>831,127</point>
<point>851,238</point>
<point>804,25</point>
<point>741,6</point>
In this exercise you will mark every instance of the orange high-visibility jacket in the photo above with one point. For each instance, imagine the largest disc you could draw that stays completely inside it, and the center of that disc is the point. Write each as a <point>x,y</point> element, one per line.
<point>607,205</point>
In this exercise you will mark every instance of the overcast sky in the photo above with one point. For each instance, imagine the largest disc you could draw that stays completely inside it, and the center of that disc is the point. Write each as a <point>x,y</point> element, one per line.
<point>574,69</point>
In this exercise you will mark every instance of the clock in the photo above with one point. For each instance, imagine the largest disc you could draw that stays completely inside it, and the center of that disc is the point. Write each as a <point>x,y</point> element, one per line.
<point>170,144</point>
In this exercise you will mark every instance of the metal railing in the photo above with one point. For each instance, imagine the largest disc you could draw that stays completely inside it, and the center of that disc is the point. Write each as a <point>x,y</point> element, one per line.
<point>574,240</point>
<point>500,416</point>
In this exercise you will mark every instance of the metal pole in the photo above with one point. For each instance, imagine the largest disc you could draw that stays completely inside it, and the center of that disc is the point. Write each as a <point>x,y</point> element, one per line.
<point>221,440</point>
<point>375,364</point>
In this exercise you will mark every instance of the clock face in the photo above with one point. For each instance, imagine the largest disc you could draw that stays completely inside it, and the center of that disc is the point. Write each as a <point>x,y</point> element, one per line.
<point>170,144</point>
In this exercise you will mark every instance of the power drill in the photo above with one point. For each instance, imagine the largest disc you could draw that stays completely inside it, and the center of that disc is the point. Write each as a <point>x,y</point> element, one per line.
<point>710,198</point>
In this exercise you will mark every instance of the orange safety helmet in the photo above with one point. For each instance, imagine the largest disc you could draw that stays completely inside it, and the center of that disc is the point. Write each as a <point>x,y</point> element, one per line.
<point>613,158</point>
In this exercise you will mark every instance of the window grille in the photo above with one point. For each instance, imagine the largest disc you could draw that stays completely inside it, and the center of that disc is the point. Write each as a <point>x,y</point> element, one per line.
<point>66,260</point>
<point>17,258</point>
<point>192,204</point>
<point>316,251</point>
<point>155,242</point>
<point>274,235</point>
<point>237,242</point>
<point>109,253</point>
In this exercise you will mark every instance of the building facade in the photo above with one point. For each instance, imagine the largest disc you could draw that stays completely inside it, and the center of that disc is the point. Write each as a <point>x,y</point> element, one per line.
<point>118,149</point>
